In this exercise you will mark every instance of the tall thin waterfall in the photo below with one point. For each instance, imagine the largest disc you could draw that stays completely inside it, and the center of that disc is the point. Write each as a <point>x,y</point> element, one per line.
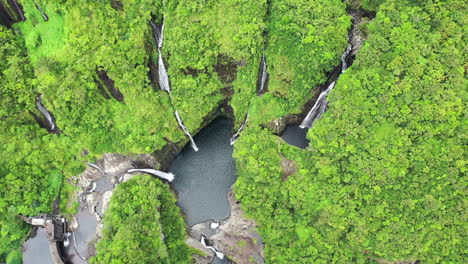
<point>264,73</point>
<point>52,127</point>
<point>162,75</point>
<point>318,108</point>
<point>237,134</point>
<point>194,146</point>
<point>321,104</point>
<point>156,33</point>
<point>344,65</point>
<point>161,36</point>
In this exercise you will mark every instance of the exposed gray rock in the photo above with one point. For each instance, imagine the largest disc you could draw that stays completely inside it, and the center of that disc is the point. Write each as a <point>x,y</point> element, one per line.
<point>236,237</point>
<point>73,224</point>
<point>105,200</point>
<point>194,243</point>
<point>115,163</point>
<point>289,167</point>
<point>202,259</point>
<point>278,125</point>
<point>357,35</point>
<point>128,176</point>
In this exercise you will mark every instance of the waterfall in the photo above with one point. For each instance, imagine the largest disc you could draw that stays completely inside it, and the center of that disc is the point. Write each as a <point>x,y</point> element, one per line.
<point>162,75</point>
<point>218,254</point>
<point>194,146</point>
<point>161,36</point>
<point>162,72</point>
<point>52,127</point>
<point>163,175</point>
<point>344,65</point>
<point>46,18</point>
<point>318,108</point>
<point>237,134</point>
<point>156,32</point>
<point>321,104</point>
<point>264,73</point>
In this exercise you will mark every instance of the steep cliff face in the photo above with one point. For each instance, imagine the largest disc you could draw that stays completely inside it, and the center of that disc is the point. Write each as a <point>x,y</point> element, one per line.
<point>11,12</point>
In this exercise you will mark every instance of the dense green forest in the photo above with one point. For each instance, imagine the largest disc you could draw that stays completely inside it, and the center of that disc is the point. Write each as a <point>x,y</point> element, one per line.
<point>383,179</point>
<point>142,218</point>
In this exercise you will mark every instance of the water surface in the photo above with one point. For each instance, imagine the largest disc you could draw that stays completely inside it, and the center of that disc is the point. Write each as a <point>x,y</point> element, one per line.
<point>296,136</point>
<point>203,178</point>
<point>37,250</point>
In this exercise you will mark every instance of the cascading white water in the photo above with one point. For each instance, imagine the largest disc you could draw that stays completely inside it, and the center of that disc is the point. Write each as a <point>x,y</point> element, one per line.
<point>237,134</point>
<point>161,36</point>
<point>163,175</point>
<point>344,65</point>
<point>203,242</point>
<point>162,74</point>
<point>263,69</point>
<point>321,104</point>
<point>163,77</point>
<point>179,120</point>
<point>50,120</point>
<point>156,32</point>
<point>317,109</point>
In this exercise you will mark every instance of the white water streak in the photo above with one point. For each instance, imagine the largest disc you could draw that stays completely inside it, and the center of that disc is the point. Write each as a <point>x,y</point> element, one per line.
<point>161,36</point>
<point>218,254</point>
<point>237,134</point>
<point>163,175</point>
<point>162,75</point>
<point>93,187</point>
<point>264,73</point>
<point>45,113</point>
<point>194,146</point>
<point>318,108</point>
<point>343,58</point>
<point>321,104</point>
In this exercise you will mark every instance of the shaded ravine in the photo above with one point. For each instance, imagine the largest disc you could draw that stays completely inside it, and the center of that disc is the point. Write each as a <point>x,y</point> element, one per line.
<point>293,128</point>
<point>321,102</point>
<point>297,135</point>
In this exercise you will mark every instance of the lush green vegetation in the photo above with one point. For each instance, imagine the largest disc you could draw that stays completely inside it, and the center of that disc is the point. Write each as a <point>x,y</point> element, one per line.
<point>211,46</point>
<point>382,178</point>
<point>143,225</point>
<point>33,163</point>
<point>304,40</point>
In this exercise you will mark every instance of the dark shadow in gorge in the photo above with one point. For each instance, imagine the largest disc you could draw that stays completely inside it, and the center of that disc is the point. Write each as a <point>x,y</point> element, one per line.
<point>109,83</point>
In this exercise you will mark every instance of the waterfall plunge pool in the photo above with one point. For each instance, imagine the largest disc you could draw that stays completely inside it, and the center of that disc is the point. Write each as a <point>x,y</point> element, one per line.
<point>203,178</point>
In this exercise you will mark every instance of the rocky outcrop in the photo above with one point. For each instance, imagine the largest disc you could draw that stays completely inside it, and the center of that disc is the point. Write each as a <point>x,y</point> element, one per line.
<point>236,236</point>
<point>289,167</point>
<point>358,37</point>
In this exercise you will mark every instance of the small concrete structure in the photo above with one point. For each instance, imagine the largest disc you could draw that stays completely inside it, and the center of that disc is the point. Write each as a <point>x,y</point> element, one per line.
<point>56,228</point>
